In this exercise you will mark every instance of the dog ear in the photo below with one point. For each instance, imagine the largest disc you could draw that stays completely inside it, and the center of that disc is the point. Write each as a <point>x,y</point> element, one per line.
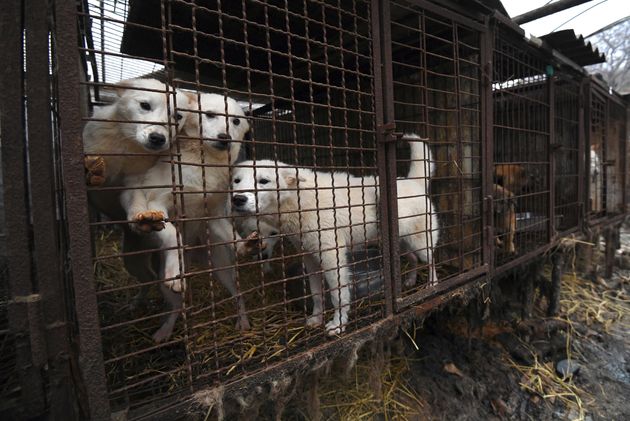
<point>192,96</point>
<point>122,86</point>
<point>292,177</point>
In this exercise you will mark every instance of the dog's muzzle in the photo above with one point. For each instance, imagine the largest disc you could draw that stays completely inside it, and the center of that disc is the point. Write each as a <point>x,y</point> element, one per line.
<point>224,141</point>
<point>157,141</point>
<point>239,200</point>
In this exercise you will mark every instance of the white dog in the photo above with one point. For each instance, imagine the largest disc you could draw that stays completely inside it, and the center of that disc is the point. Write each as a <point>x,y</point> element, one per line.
<point>136,124</point>
<point>123,141</point>
<point>326,213</point>
<point>205,155</point>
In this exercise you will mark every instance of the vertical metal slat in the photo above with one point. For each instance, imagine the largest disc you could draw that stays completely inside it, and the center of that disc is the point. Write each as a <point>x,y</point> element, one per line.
<point>91,356</point>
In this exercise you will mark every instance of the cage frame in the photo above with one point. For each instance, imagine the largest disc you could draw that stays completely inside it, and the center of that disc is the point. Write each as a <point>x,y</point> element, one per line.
<point>70,344</point>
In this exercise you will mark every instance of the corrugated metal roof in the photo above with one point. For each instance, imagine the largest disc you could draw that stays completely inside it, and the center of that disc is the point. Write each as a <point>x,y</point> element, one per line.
<point>574,47</point>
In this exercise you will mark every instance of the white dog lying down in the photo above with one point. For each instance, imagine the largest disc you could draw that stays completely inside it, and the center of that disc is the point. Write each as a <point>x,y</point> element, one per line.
<point>205,177</point>
<point>324,213</point>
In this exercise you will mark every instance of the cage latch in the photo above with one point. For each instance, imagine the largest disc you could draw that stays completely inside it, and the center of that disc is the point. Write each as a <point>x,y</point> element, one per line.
<point>388,130</point>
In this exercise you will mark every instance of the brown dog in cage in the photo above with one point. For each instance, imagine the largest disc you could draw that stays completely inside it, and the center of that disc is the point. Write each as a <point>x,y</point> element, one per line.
<point>513,177</point>
<point>324,214</point>
<point>211,143</point>
<point>504,217</point>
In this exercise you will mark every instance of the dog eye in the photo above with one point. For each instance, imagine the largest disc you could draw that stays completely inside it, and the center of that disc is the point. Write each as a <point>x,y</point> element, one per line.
<point>237,180</point>
<point>236,121</point>
<point>263,181</point>
<point>179,116</point>
<point>145,106</point>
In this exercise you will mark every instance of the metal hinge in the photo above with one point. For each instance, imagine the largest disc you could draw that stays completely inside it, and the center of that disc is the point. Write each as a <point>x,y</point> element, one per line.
<point>389,133</point>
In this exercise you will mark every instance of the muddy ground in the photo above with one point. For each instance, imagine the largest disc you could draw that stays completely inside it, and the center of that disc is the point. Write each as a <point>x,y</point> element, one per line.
<point>504,368</point>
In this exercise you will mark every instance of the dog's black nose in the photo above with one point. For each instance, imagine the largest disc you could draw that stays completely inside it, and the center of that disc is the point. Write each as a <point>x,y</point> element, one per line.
<point>157,140</point>
<point>224,139</point>
<point>239,199</point>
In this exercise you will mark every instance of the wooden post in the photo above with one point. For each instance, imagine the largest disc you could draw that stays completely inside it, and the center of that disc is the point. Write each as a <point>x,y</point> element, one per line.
<point>557,261</point>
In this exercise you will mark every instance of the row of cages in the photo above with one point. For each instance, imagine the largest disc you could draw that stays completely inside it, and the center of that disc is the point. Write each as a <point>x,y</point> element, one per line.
<point>209,190</point>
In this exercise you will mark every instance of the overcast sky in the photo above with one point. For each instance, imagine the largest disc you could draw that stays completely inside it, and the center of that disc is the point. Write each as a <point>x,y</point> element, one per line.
<point>601,13</point>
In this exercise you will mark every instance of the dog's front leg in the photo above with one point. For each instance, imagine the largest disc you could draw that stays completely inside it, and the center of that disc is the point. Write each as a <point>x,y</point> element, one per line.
<point>315,284</point>
<point>171,259</point>
<point>223,258</point>
<point>134,202</point>
<point>174,301</point>
<point>337,274</point>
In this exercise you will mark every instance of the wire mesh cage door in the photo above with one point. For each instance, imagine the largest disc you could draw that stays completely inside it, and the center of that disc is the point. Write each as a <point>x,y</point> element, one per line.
<point>615,155</point>
<point>434,57</point>
<point>522,133</point>
<point>568,136</point>
<point>596,154</point>
<point>267,126</point>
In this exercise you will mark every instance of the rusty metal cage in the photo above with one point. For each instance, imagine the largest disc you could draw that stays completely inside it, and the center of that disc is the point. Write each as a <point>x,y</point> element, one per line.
<point>436,70</point>
<point>522,136</point>
<point>598,135</point>
<point>303,74</point>
<point>568,138</point>
<point>616,155</point>
<point>226,190</point>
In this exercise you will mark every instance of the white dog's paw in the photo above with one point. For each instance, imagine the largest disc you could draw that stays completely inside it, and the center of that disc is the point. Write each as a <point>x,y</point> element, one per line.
<point>267,269</point>
<point>410,282</point>
<point>335,327</point>
<point>176,285</point>
<point>148,221</point>
<point>314,320</point>
<point>243,324</point>
<point>163,333</point>
<point>433,280</point>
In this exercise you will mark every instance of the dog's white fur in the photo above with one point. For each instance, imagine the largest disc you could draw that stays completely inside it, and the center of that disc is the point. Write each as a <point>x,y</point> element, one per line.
<point>125,127</point>
<point>215,144</point>
<point>326,213</point>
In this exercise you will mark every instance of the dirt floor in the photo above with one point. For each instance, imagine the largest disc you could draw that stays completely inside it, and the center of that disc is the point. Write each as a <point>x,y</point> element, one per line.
<point>503,368</point>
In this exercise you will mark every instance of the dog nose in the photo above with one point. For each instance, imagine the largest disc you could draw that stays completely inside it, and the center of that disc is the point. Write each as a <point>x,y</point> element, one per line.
<point>224,139</point>
<point>239,199</point>
<point>157,139</point>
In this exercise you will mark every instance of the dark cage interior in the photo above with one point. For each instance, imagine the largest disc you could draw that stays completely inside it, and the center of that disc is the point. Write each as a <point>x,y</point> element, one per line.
<point>225,194</point>
<point>437,95</point>
<point>566,146</point>
<point>616,154</point>
<point>520,90</point>
<point>597,155</point>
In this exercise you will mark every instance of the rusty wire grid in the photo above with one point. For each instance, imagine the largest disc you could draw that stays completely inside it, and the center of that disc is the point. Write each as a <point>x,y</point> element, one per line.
<point>566,146</point>
<point>247,162</point>
<point>597,184</point>
<point>437,96</point>
<point>521,148</point>
<point>616,155</point>
<point>303,73</point>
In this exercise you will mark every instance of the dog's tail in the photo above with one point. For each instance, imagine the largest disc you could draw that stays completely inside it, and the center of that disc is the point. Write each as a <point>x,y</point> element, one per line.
<point>422,165</point>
